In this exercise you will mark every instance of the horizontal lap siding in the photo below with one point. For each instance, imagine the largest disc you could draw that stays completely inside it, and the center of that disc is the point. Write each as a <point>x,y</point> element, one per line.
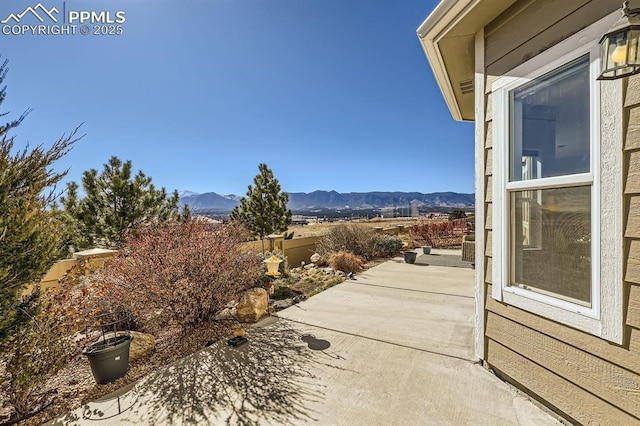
<point>592,374</point>
<point>488,167</point>
<point>530,27</point>
<point>577,374</point>
<point>632,203</point>
<point>556,391</point>
<point>621,356</point>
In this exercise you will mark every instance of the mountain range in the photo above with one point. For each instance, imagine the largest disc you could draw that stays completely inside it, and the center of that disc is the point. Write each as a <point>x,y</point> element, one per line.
<point>318,200</point>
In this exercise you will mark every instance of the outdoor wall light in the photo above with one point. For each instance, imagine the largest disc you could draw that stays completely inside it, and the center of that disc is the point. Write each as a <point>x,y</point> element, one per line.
<point>620,54</point>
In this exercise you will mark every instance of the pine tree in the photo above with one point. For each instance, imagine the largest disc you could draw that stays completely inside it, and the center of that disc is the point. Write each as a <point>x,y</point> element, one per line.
<point>116,203</point>
<point>457,214</point>
<point>29,242</point>
<point>264,209</point>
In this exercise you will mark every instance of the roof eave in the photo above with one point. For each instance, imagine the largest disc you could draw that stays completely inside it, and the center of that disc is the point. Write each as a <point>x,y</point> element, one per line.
<point>447,37</point>
<point>429,33</point>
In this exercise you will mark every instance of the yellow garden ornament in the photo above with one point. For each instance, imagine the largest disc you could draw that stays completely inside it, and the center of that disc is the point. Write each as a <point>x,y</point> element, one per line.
<point>272,266</point>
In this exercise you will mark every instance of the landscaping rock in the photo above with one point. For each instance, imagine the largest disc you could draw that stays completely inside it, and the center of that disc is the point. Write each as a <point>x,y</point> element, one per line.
<point>226,313</point>
<point>282,304</point>
<point>252,305</point>
<point>310,266</point>
<point>327,270</point>
<point>315,257</point>
<point>141,345</point>
<point>341,274</point>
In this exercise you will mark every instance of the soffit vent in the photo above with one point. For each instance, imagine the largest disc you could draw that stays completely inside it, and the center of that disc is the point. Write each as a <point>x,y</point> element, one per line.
<point>466,86</point>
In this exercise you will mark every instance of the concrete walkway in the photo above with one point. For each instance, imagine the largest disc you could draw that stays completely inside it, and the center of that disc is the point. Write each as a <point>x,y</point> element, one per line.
<point>394,347</point>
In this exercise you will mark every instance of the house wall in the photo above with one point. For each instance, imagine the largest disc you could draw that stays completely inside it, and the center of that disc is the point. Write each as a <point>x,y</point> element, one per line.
<point>586,379</point>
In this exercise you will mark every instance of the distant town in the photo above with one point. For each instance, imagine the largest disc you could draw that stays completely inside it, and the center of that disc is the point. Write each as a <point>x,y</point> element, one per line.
<point>322,206</point>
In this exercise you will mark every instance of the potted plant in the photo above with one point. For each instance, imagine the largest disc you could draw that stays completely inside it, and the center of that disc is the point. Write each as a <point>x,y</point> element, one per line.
<point>109,356</point>
<point>410,256</point>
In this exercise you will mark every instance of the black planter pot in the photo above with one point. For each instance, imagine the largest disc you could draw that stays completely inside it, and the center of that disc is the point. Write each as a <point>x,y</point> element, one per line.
<point>410,256</point>
<point>109,358</point>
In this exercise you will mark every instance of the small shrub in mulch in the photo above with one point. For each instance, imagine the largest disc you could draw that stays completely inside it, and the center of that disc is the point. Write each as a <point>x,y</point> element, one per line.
<point>346,262</point>
<point>284,292</point>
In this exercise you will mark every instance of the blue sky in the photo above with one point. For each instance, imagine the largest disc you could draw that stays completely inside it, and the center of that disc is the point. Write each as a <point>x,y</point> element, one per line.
<point>331,94</point>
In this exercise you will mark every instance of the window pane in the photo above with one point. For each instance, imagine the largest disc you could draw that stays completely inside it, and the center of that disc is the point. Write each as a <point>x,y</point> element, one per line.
<point>549,124</point>
<point>551,242</point>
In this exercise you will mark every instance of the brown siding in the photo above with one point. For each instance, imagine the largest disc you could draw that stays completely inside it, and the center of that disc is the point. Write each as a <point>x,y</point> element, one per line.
<point>632,161</point>
<point>488,237</point>
<point>530,27</point>
<point>632,273</point>
<point>632,99</point>
<point>488,271</point>
<point>615,354</point>
<point>555,390</point>
<point>489,160</point>
<point>632,205</point>
<point>581,376</point>
<point>633,313</point>
<point>633,130</point>
<point>633,224</point>
<point>595,375</point>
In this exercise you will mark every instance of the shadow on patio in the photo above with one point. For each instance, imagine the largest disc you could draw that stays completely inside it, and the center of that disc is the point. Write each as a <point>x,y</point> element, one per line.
<point>267,381</point>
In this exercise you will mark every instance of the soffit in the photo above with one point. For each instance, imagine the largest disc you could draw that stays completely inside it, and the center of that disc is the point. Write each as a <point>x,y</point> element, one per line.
<point>448,40</point>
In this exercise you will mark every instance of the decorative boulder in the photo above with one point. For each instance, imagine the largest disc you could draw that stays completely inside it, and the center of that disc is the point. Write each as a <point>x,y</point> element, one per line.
<point>315,257</point>
<point>252,305</point>
<point>141,345</point>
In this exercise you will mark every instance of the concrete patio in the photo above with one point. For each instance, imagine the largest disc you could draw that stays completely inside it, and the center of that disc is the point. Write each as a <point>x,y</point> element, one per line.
<point>394,346</point>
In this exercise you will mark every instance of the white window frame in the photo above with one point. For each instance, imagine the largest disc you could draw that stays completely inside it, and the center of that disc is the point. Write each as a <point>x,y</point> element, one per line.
<point>604,318</point>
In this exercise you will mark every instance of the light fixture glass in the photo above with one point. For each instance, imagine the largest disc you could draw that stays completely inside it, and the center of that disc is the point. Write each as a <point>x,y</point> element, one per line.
<point>620,56</point>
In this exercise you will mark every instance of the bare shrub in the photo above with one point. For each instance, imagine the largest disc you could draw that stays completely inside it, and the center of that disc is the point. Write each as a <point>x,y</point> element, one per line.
<point>357,239</point>
<point>346,262</point>
<point>37,350</point>
<point>178,275</point>
<point>389,245</point>
<point>435,233</point>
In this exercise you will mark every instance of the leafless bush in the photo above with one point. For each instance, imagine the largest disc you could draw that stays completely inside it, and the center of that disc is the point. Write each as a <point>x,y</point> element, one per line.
<point>37,351</point>
<point>178,274</point>
<point>356,239</point>
<point>435,233</point>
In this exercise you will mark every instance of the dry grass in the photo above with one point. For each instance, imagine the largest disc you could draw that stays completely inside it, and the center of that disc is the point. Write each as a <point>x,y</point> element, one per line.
<point>319,229</point>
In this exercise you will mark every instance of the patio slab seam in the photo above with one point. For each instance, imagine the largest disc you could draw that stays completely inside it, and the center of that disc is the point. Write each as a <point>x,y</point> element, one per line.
<point>472,361</point>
